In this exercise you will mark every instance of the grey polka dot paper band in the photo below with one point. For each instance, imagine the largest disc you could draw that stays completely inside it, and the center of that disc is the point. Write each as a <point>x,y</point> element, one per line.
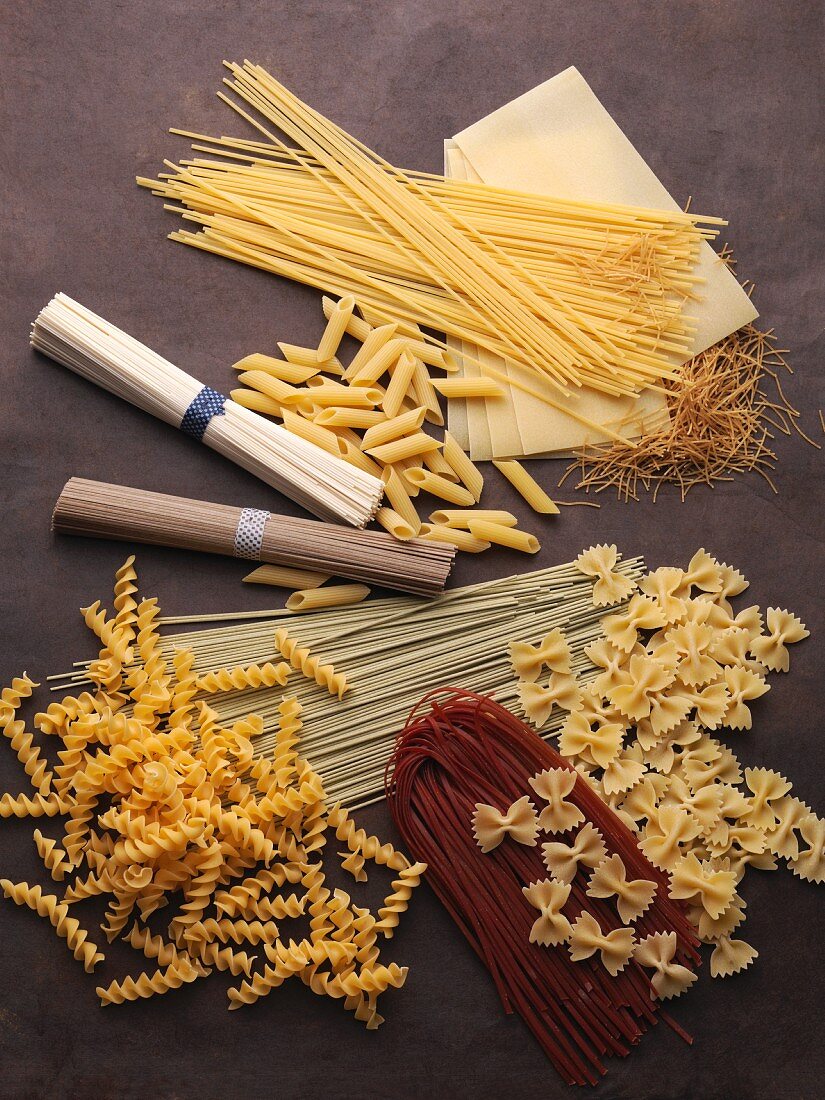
<point>250,533</point>
<point>207,404</point>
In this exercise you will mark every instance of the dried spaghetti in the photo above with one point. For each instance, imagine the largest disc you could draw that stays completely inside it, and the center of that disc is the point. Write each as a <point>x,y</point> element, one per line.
<point>458,749</point>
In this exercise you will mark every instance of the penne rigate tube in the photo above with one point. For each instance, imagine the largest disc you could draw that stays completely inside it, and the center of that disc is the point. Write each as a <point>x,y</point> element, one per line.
<point>396,524</point>
<point>337,417</point>
<point>320,599</point>
<point>504,536</point>
<point>409,446</point>
<point>376,339</point>
<point>402,375</point>
<point>270,385</point>
<point>281,576</point>
<point>335,328</point>
<point>393,428</point>
<point>356,326</point>
<point>279,368</point>
<point>527,486</point>
<point>439,486</point>
<point>258,402</point>
<point>340,396</point>
<point>459,517</point>
<point>379,363</point>
<point>395,491</point>
<point>309,430</point>
<point>453,536</point>
<point>435,461</point>
<point>461,464</point>
<point>468,387</point>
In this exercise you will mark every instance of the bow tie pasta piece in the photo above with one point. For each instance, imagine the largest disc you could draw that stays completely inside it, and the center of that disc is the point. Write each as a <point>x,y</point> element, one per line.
<point>671,828</point>
<point>642,800</point>
<point>692,641</point>
<point>781,838</point>
<point>743,686</point>
<point>731,647</point>
<point>553,653</point>
<point>730,956</point>
<point>552,786</point>
<point>691,879</point>
<point>598,746</point>
<point>771,649</point>
<point>636,686</point>
<point>667,709</point>
<point>539,702</point>
<point>663,585</point>
<point>709,929</point>
<point>615,948</point>
<point>733,582</point>
<point>606,656</point>
<point>711,703</point>
<point>548,896</point>
<point>621,774</point>
<point>562,860</point>
<point>633,897</point>
<point>766,787</point>
<point>596,709</point>
<point>657,953</point>
<point>703,573</point>
<point>810,863</point>
<point>641,613</point>
<point>708,761</point>
<point>705,804</point>
<point>519,821</point>
<point>610,586</point>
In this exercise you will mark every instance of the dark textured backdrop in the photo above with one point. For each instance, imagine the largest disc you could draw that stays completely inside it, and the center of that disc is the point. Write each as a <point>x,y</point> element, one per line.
<point>724,99</point>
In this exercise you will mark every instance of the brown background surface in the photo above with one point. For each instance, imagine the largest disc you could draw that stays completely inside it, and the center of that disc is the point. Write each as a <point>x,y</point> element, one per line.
<point>724,99</point>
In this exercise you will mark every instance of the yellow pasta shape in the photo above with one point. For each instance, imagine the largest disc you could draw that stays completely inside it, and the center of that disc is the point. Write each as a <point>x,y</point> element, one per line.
<point>424,394</point>
<point>439,487</point>
<point>271,387</point>
<point>396,902</point>
<point>468,387</point>
<point>615,948</point>
<point>454,536</point>
<point>257,402</point>
<point>466,471</point>
<point>36,805</point>
<point>281,369</point>
<point>375,340</point>
<point>181,972</point>
<point>518,821</point>
<point>437,464</point>
<point>400,381</point>
<point>242,678</point>
<point>459,517</point>
<point>398,496</point>
<point>282,576</point>
<point>308,357</point>
<point>353,454</point>
<point>391,428</point>
<point>335,595</point>
<point>336,327</point>
<point>311,431</point>
<point>633,897</point>
<point>48,906</point>
<point>551,927</point>
<point>302,660</point>
<point>377,364</point>
<point>526,486</point>
<point>657,952</point>
<point>357,840</point>
<point>396,524</point>
<point>504,536</point>
<point>53,856</point>
<point>563,860</point>
<point>356,326</point>
<point>333,417</point>
<point>409,446</point>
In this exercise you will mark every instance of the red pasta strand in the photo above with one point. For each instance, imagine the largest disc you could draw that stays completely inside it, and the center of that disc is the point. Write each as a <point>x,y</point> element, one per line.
<point>457,749</point>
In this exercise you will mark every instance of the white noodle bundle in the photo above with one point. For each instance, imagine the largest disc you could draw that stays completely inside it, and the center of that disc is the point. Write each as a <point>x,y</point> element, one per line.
<point>320,482</point>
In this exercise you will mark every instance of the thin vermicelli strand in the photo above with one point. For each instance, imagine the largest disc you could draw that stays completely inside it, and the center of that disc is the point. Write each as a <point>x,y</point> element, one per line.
<point>459,749</point>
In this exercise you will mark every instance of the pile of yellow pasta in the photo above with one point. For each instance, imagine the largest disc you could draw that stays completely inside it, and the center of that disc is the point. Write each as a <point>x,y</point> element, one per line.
<point>166,807</point>
<point>372,413</point>
<point>674,666</point>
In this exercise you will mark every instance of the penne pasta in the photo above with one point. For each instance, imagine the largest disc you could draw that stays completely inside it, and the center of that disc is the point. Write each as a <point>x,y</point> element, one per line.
<point>378,364</point>
<point>396,493</point>
<point>320,599</point>
<point>396,524</point>
<point>458,517</point>
<point>340,396</point>
<point>525,484</point>
<point>257,402</point>
<point>435,461</point>
<point>353,454</point>
<point>392,428</point>
<point>454,536</point>
<point>375,340</point>
<point>468,387</point>
<point>468,473</point>
<point>310,431</point>
<point>400,381</point>
<point>282,576</point>
<point>438,486</point>
<point>356,326</point>
<point>336,417</point>
<point>409,446</point>
<point>504,536</point>
<point>335,328</point>
<point>278,368</point>
<point>273,387</point>
<point>424,394</point>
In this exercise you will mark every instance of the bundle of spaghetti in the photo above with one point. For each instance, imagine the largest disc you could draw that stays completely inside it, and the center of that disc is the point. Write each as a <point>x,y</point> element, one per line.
<point>724,411</point>
<point>391,650</point>
<point>396,241</point>
<point>101,510</point>
<point>459,749</point>
<point>168,807</point>
<point>93,348</point>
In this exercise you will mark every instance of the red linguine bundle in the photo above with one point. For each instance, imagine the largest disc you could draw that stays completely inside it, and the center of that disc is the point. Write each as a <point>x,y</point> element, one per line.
<point>459,749</point>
